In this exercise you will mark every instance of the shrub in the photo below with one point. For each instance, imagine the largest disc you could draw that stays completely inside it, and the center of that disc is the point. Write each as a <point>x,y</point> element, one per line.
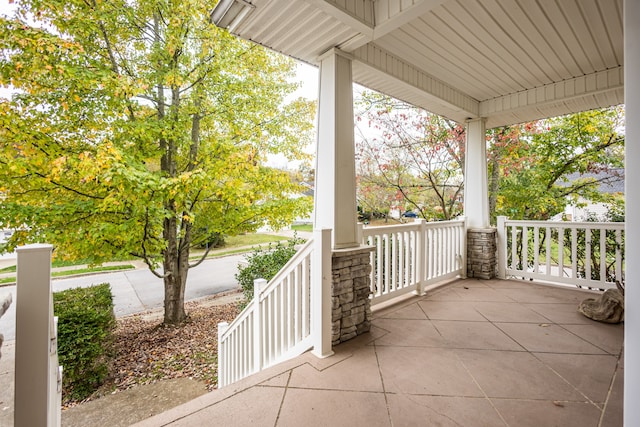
<point>85,325</point>
<point>264,264</point>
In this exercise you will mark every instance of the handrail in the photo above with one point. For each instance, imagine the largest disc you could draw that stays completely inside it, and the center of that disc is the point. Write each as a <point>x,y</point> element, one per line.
<point>283,319</point>
<point>293,263</point>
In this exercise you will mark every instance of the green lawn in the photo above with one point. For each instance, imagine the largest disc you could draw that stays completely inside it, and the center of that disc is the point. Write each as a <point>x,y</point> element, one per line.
<point>100,269</point>
<point>232,242</point>
<point>302,227</point>
<point>93,270</point>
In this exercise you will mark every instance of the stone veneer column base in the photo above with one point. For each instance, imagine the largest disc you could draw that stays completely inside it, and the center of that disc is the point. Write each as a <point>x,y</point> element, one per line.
<point>350,289</point>
<point>481,253</point>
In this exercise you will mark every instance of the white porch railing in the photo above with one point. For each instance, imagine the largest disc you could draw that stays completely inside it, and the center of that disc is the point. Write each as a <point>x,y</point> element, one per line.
<point>409,257</point>
<point>278,325</point>
<point>587,254</point>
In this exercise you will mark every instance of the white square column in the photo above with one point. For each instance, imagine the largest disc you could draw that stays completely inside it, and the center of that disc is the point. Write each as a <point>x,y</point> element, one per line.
<point>632,225</point>
<point>476,195</point>
<point>335,192</point>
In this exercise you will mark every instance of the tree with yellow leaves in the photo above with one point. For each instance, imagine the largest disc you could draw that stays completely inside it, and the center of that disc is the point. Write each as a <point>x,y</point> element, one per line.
<point>140,128</point>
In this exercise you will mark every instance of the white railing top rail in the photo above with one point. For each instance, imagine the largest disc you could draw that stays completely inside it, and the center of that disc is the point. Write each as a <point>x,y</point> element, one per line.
<point>240,318</point>
<point>378,229</point>
<point>300,254</point>
<point>568,224</point>
<point>293,262</point>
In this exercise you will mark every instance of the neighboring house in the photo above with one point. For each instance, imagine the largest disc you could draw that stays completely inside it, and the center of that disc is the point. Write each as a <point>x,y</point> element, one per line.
<point>610,182</point>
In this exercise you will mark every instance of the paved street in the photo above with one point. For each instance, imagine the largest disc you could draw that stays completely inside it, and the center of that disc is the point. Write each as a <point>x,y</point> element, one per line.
<point>139,290</point>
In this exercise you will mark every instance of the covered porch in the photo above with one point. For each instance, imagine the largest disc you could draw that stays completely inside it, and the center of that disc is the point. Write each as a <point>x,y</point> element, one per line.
<point>469,353</point>
<point>472,352</point>
<point>485,64</point>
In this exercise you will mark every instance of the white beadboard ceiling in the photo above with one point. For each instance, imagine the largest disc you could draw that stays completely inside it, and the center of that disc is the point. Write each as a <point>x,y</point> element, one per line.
<point>507,60</point>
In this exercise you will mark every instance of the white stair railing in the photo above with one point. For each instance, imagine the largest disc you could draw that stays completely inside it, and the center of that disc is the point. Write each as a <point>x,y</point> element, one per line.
<point>279,324</point>
<point>408,257</point>
<point>585,254</point>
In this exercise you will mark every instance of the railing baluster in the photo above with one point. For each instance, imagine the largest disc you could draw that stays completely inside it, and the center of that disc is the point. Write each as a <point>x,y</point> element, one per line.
<point>440,252</point>
<point>400,260</point>
<point>574,252</point>
<point>603,254</point>
<point>536,248</point>
<point>514,248</point>
<point>548,250</point>
<point>290,315</point>
<point>298,306</point>
<point>410,253</point>
<point>420,256</point>
<point>561,251</point>
<point>525,248</point>
<point>502,247</point>
<point>618,268</point>
<point>587,253</point>
<point>428,254</point>
<point>379,262</point>
<point>280,319</point>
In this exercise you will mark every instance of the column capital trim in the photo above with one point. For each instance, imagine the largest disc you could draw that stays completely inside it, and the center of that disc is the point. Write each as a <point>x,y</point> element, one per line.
<point>334,51</point>
<point>470,120</point>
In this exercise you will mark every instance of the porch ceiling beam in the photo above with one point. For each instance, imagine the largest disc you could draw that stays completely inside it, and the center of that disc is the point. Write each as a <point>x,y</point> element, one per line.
<point>429,93</point>
<point>392,14</point>
<point>536,99</point>
<point>373,19</point>
<point>388,16</point>
<point>360,19</point>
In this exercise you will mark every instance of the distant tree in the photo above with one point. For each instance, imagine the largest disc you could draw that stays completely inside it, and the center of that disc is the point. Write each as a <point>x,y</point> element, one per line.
<point>410,157</point>
<point>536,160</point>
<point>139,128</point>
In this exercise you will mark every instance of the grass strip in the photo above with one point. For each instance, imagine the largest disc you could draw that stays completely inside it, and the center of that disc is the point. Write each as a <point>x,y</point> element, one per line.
<point>77,271</point>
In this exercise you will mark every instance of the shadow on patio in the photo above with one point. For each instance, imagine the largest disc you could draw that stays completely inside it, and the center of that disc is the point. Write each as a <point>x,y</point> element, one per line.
<point>471,353</point>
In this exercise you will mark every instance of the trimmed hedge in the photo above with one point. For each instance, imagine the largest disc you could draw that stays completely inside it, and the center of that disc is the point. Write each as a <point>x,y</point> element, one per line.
<point>86,321</point>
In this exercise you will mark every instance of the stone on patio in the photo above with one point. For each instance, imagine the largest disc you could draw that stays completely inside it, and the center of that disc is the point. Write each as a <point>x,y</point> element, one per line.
<point>608,308</point>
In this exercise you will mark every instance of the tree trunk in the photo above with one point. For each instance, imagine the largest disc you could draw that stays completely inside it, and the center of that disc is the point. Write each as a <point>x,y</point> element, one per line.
<point>176,266</point>
<point>174,286</point>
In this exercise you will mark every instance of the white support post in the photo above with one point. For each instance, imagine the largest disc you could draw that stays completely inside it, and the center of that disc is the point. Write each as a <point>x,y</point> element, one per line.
<point>632,194</point>
<point>222,367</point>
<point>335,188</point>
<point>258,286</point>
<point>421,266</point>
<point>321,293</point>
<point>35,385</point>
<point>360,234</point>
<point>476,193</point>
<point>502,247</point>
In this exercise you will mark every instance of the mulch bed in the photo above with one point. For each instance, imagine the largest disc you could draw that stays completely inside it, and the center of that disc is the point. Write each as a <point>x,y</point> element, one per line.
<point>147,351</point>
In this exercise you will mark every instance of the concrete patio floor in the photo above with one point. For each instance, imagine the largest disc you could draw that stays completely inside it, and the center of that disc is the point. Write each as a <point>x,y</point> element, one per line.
<point>471,353</point>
